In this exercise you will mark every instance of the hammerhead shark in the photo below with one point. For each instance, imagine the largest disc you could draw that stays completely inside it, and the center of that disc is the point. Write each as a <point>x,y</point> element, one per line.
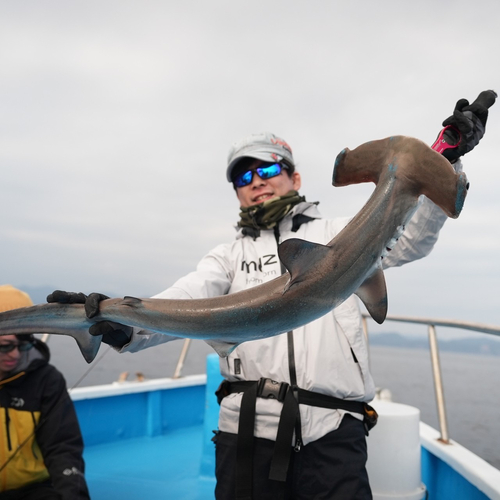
<point>319,277</point>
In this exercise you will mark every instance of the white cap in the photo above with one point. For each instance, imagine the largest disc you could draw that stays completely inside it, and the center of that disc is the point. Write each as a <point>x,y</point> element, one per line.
<point>265,146</point>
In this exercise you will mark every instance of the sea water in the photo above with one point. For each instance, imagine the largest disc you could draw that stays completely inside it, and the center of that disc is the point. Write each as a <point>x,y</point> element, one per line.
<point>471,382</point>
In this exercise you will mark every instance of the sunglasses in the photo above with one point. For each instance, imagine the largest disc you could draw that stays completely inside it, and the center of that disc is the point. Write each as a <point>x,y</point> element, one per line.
<point>22,347</point>
<point>266,172</point>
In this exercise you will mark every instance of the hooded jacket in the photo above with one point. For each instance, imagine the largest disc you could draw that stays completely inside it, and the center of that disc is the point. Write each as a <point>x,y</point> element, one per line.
<point>37,415</point>
<point>331,354</point>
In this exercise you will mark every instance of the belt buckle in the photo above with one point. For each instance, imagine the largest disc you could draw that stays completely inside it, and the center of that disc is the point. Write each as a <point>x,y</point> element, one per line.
<point>270,389</point>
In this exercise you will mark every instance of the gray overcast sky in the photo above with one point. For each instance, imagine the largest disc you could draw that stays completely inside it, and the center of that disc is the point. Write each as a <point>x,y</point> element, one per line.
<point>116,119</point>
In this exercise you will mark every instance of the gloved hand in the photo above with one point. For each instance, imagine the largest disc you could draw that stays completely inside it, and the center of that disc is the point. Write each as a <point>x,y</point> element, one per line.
<point>66,297</point>
<point>113,334</point>
<point>470,121</point>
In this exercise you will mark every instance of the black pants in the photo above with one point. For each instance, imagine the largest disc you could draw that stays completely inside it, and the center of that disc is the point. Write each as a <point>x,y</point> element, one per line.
<point>332,467</point>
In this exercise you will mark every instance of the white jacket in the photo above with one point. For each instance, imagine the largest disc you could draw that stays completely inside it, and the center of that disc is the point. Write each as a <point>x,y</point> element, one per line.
<point>331,354</point>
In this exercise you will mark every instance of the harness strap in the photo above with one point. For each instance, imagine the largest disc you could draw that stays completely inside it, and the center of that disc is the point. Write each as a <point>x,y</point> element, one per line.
<point>297,221</point>
<point>282,448</point>
<point>294,387</point>
<point>270,389</point>
<point>244,447</point>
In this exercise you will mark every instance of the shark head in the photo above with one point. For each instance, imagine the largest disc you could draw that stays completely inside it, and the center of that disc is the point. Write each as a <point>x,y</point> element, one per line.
<point>420,170</point>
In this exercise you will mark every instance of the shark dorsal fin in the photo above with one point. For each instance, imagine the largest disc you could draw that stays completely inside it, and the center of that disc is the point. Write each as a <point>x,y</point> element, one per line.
<point>373,294</point>
<point>300,257</point>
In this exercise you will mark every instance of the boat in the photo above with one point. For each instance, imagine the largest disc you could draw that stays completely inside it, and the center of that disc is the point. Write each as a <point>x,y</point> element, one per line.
<point>152,439</point>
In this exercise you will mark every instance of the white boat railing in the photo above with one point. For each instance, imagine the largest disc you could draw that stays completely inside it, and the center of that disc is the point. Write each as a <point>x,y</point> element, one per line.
<point>182,358</point>
<point>434,352</point>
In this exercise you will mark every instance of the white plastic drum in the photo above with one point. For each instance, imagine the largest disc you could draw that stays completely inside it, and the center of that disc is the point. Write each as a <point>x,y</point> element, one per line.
<point>394,453</point>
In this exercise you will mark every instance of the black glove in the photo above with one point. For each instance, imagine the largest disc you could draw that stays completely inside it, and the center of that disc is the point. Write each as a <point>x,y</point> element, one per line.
<point>470,121</point>
<point>66,297</point>
<point>113,334</point>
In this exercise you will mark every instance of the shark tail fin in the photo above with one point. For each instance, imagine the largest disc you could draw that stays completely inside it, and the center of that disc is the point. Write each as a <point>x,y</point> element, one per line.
<point>373,294</point>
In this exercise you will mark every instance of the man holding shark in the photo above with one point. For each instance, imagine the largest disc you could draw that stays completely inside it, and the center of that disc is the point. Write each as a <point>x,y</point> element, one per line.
<point>306,390</point>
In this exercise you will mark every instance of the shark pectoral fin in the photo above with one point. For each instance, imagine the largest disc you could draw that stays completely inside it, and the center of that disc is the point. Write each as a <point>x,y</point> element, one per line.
<point>301,257</point>
<point>223,349</point>
<point>373,294</point>
<point>88,344</point>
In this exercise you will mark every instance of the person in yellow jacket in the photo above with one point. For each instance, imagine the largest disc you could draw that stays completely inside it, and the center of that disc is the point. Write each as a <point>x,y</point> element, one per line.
<point>40,440</point>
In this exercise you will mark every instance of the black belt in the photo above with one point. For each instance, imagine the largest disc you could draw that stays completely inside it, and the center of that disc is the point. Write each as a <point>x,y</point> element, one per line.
<point>283,392</point>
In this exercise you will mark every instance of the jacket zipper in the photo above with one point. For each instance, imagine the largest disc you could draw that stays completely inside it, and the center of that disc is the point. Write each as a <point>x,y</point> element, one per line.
<point>34,430</point>
<point>7,421</point>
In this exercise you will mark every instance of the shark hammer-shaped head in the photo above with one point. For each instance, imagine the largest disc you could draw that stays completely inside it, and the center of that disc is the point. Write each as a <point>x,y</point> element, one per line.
<point>423,170</point>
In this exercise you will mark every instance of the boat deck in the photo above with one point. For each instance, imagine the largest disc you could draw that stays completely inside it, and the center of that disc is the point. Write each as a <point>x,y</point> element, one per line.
<point>150,439</point>
<point>158,467</point>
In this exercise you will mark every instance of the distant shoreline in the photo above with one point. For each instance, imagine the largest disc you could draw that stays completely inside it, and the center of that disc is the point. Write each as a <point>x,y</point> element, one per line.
<point>481,346</point>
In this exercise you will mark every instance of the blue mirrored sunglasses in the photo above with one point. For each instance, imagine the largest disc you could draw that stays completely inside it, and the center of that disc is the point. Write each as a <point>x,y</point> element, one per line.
<point>266,172</point>
<point>23,346</point>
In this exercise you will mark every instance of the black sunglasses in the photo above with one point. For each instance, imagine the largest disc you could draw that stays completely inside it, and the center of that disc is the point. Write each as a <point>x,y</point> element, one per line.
<point>22,347</point>
<point>266,172</point>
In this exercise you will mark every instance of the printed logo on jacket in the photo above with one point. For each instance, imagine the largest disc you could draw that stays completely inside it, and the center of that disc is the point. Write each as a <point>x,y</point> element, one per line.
<point>17,402</point>
<point>260,270</point>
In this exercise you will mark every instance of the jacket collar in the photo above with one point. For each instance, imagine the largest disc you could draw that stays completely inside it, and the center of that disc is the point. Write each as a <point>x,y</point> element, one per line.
<point>304,208</point>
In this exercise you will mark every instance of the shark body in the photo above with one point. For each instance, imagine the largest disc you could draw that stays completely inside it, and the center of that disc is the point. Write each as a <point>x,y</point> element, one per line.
<point>319,277</point>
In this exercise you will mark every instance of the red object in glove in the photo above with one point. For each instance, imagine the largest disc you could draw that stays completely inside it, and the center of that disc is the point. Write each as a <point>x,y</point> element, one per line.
<point>449,133</point>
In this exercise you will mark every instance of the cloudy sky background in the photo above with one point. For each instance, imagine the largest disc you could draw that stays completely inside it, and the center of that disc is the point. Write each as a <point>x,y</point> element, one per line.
<point>116,118</point>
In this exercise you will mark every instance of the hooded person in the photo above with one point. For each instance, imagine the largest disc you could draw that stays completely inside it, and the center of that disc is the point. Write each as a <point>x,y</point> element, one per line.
<point>40,440</point>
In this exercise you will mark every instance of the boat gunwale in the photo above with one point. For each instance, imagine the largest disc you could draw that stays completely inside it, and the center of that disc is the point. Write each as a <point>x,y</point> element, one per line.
<point>484,476</point>
<point>122,388</point>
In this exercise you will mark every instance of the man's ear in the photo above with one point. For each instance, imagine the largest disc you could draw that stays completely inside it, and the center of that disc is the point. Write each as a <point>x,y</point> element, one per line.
<point>297,181</point>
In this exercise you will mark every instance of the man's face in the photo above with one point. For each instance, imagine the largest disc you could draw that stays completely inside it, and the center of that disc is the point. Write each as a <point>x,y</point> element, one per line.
<point>9,360</point>
<point>260,190</point>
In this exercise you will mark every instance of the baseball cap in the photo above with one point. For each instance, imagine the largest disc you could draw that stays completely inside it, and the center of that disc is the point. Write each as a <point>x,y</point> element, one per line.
<point>264,146</point>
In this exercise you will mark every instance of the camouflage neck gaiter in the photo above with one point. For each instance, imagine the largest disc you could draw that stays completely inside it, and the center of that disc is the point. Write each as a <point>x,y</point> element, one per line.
<point>267,214</point>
